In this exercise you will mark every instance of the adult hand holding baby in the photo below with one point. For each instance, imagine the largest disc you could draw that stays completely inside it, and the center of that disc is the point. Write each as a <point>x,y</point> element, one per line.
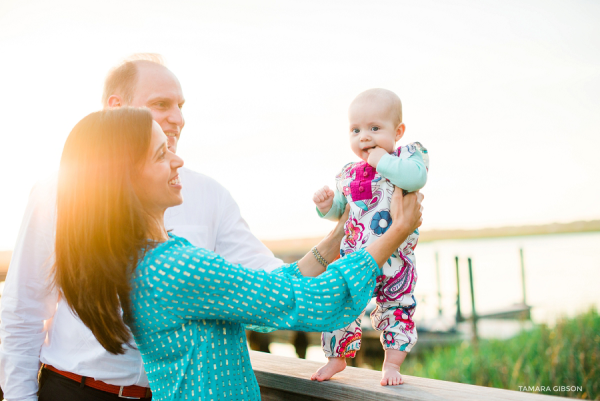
<point>407,209</point>
<point>406,212</point>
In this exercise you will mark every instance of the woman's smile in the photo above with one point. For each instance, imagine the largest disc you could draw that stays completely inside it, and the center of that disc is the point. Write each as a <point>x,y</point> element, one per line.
<point>175,182</point>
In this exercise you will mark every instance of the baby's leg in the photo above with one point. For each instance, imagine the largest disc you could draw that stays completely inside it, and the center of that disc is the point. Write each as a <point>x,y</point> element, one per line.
<point>337,346</point>
<point>397,340</point>
<point>397,337</point>
<point>390,371</point>
<point>393,315</point>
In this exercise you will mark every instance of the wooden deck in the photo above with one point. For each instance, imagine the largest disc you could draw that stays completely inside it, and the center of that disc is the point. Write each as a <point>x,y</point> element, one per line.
<point>282,378</point>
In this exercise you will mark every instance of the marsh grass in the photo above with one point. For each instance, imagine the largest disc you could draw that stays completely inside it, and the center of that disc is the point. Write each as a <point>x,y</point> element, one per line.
<point>567,354</point>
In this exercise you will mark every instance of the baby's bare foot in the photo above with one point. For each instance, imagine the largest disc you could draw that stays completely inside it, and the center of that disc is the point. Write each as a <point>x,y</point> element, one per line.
<point>333,366</point>
<point>390,376</point>
<point>390,371</point>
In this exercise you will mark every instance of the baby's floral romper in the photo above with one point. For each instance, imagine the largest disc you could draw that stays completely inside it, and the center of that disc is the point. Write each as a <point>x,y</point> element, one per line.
<point>369,194</point>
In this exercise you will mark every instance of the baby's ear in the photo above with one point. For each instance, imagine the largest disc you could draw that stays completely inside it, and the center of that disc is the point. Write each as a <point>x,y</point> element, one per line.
<point>400,131</point>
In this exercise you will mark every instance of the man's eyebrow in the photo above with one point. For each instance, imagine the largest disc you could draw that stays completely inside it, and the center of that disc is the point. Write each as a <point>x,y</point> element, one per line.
<point>161,147</point>
<point>159,99</point>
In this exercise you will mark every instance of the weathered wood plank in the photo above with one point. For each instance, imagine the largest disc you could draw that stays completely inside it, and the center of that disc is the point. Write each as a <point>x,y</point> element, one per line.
<point>270,394</point>
<point>290,377</point>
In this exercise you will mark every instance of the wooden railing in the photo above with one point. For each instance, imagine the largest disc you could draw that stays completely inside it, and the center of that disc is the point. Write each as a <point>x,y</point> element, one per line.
<point>288,379</point>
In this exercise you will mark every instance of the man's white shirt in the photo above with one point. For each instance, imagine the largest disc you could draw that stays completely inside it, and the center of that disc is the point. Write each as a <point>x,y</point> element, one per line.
<point>36,325</point>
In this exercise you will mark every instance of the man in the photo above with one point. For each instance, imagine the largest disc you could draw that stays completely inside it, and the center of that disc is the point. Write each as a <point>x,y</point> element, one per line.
<point>38,326</point>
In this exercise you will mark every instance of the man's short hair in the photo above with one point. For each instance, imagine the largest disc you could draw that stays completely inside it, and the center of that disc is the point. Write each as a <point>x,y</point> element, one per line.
<point>122,78</point>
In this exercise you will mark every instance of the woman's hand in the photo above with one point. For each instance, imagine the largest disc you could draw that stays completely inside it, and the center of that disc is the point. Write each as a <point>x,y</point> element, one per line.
<point>407,210</point>
<point>406,214</point>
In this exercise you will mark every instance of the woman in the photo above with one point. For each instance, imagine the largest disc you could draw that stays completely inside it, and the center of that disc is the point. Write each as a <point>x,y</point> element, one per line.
<point>184,305</point>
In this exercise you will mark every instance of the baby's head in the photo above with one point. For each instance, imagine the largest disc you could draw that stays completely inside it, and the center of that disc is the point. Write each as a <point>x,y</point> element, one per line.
<point>375,120</point>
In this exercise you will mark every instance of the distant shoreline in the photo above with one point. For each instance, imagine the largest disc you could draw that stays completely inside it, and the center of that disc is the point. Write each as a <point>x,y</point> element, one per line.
<point>302,245</point>
<point>299,246</point>
<point>512,231</point>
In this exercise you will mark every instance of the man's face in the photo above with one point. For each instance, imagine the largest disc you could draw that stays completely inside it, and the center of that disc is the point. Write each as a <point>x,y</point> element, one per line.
<point>159,90</point>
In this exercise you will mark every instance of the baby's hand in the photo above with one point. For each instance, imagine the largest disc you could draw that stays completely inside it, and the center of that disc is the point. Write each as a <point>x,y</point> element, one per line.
<point>323,198</point>
<point>375,154</point>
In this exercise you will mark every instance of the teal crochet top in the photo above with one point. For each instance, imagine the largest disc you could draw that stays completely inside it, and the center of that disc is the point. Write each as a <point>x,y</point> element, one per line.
<point>188,308</point>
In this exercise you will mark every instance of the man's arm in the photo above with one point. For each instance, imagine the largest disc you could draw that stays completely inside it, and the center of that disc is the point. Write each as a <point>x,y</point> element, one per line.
<point>28,299</point>
<point>237,244</point>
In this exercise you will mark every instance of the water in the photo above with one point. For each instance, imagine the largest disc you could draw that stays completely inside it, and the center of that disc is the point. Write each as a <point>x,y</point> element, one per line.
<point>562,276</point>
<point>562,273</point>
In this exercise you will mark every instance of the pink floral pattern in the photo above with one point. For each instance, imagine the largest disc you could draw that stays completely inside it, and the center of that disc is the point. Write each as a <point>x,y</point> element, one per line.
<point>347,345</point>
<point>388,339</point>
<point>405,316</point>
<point>369,195</point>
<point>354,232</point>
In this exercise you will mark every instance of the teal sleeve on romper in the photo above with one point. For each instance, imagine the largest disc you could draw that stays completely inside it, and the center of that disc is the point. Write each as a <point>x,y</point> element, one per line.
<point>188,307</point>
<point>409,174</point>
<point>337,207</point>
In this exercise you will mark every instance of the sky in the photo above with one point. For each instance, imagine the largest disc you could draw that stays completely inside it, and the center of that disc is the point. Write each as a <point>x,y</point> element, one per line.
<point>503,94</point>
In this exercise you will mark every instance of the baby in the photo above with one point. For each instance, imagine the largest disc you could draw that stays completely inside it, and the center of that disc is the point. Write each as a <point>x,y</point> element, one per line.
<point>375,127</point>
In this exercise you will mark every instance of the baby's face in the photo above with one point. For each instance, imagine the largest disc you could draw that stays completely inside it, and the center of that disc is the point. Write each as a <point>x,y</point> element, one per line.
<point>372,124</point>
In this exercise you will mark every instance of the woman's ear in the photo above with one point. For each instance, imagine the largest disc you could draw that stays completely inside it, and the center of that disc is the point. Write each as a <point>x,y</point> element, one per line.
<point>400,131</point>
<point>114,101</point>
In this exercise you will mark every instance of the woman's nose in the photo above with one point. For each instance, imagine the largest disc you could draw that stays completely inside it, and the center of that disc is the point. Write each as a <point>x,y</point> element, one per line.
<point>176,162</point>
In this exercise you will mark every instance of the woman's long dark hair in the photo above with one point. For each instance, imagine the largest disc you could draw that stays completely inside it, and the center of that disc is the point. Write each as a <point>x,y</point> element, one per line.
<point>101,226</point>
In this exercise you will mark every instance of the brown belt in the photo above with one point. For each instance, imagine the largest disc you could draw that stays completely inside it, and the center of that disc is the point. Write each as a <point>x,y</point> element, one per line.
<point>131,392</point>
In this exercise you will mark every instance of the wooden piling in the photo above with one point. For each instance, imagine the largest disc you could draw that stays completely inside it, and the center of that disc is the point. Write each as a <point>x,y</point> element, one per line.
<point>439,286</point>
<point>523,276</point>
<point>459,317</point>
<point>474,316</point>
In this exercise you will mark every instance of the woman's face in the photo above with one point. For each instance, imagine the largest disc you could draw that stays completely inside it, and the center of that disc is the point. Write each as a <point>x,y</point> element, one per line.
<point>157,183</point>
